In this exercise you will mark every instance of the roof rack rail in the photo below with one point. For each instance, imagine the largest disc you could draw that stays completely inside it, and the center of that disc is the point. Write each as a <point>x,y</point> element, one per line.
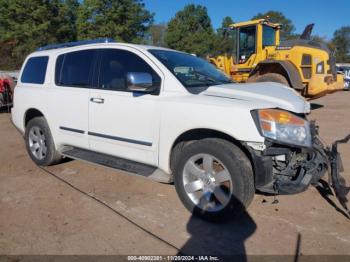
<point>70,44</point>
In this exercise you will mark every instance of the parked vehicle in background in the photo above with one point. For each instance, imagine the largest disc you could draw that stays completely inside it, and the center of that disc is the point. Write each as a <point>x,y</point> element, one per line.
<point>258,56</point>
<point>168,116</point>
<point>7,85</point>
<point>344,69</point>
<point>12,74</point>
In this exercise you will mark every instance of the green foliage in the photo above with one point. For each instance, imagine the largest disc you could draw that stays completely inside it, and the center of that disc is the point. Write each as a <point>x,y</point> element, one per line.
<point>123,20</point>
<point>225,40</point>
<point>317,38</point>
<point>71,10</point>
<point>341,43</point>
<point>288,27</point>
<point>226,22</point>
<point>323,40</point>
<point>155,35</point>
<point>26,25</point>
<point>191,31</point>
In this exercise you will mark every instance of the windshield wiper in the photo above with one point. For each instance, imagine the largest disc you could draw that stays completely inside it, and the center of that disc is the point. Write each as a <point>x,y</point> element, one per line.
<point>211,80</point>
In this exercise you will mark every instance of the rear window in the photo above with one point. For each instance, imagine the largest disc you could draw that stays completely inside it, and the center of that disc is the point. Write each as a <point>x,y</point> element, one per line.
<point>35,70</point>
<point>75,69</point>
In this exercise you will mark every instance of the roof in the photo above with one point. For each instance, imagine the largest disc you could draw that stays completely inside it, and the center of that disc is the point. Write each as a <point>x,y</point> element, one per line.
<point>72,46</point>
<point>255,22</point>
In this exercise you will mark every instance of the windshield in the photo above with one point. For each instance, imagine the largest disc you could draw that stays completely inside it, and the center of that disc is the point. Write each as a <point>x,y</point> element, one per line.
<point>190,70</point>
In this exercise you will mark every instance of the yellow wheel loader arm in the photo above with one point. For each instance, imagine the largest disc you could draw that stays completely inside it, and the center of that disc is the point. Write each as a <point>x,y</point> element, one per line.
<point>224,63</point>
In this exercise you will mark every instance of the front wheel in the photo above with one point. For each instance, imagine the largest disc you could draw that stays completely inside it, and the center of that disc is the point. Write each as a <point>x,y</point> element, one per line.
<point>214,179</point>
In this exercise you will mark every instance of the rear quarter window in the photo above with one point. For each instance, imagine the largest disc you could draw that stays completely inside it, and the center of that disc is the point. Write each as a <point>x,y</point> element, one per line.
<point>35,70</point>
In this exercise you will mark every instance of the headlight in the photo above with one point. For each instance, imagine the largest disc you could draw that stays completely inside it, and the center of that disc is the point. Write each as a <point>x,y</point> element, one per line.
<point>283,127</point>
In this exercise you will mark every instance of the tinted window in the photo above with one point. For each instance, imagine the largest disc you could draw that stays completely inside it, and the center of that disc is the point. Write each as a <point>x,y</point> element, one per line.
<point>115,64</point>
<point>35,70</point>
<point>269,36</point>
<point>246,43</point>
<point>75,68</point>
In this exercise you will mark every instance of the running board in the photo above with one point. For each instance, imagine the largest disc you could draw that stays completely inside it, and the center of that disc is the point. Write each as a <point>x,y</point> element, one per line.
<point>148,171</point>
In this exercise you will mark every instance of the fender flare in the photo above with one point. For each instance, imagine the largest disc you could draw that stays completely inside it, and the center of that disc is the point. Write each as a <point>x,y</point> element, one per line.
<point>290,70</point>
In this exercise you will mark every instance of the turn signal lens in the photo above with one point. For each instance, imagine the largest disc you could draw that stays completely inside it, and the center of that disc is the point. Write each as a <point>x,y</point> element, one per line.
<point>284,127</point>
<point>280,117</point>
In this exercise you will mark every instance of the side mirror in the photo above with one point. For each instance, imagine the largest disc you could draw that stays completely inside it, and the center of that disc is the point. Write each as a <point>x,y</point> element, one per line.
<point>139,82</point>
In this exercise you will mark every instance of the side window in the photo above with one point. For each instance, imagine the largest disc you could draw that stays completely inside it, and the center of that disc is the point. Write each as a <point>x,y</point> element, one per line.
<point>269,36</point>
<point>75,68</point>
<point>115,64</point>
<point>35,70</point>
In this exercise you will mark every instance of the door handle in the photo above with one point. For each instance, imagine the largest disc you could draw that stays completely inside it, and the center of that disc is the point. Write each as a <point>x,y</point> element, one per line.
<point>97,100</point>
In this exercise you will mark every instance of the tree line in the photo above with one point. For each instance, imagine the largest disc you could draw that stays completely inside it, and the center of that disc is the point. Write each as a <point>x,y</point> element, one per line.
<point>27,25</point>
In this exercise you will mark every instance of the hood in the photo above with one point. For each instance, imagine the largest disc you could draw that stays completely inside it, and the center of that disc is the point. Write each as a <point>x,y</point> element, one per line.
<point>262,95</point>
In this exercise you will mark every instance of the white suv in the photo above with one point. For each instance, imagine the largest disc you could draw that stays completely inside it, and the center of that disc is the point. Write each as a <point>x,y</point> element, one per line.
<point>167,116</point>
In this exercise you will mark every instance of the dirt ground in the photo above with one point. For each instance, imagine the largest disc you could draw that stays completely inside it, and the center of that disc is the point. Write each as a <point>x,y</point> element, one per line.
<point>80,208</point>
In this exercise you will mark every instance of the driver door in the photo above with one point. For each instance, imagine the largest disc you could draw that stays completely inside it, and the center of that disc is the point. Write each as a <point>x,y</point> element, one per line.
<point>247,46</point>
<point>123,123</point>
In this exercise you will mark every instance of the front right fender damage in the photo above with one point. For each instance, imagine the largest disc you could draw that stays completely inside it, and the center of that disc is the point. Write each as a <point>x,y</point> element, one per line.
<point>285,169</point>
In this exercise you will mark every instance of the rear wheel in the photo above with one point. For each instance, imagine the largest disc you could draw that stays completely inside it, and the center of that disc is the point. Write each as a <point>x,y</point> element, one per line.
<point>270,77</point>
<point>214,179</point>
<point>40,144</point>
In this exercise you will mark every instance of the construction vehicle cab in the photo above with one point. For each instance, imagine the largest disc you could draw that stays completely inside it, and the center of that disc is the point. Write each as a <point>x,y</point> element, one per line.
<point>258,55</point>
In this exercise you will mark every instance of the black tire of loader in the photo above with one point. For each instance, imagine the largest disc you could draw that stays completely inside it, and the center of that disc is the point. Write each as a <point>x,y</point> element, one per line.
<point>271,77</point>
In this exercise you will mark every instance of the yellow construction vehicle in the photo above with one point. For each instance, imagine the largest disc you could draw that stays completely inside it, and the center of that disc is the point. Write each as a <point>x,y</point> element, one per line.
<point>259,56</point>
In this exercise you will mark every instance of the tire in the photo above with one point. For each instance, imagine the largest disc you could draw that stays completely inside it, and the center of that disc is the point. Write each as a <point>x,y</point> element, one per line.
<point>271,77</point>
<point>39,143</point>
<point>225,192</point>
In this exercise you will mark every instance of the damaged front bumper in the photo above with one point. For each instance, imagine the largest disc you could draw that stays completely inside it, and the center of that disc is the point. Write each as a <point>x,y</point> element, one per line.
<point>284,169</point>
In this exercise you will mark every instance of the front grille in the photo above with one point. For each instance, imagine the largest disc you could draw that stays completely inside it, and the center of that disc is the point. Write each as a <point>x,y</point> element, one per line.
<point>306,72</point>
<point>306,65</point>
<point>306,60</point>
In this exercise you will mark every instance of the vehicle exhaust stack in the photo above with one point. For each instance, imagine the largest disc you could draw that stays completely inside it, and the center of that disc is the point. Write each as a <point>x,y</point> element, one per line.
<point>306,35</point>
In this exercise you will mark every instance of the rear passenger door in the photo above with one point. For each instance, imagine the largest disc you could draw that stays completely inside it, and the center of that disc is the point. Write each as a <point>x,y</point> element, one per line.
<point>70,98</point>
<point>124,123</point>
